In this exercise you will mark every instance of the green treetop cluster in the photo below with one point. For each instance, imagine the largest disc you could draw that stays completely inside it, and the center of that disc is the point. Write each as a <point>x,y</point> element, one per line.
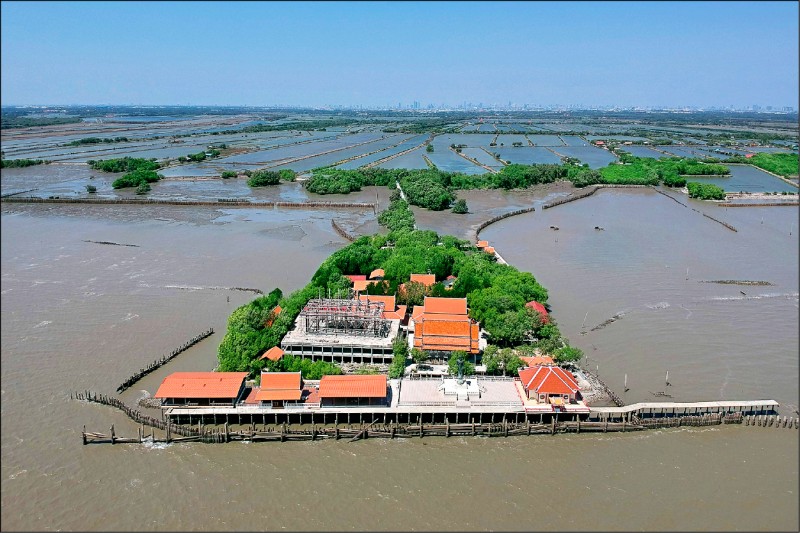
<point>138,171</point>
<point>782,164</point>
<point>496,294</point>
<point>705,191</point>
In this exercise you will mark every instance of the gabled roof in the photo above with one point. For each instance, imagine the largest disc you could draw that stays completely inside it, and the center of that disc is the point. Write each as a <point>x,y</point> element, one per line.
<point>360,284</point>
<point>489,250</point>
<point>482,244</point>
<point>450,306</point>
<point>201,385</point>
<point>388,301</point>
<point>273,354</point>
<point>280,386</point>
<point>280,380</point>
<point>275,312</point>
<point>356,277</point>
<point>425,279</point>
<point>539,308</point>
<point>548,379</point>
<point>537,360</point>
<point>353,386</point>
<point>377,273</point>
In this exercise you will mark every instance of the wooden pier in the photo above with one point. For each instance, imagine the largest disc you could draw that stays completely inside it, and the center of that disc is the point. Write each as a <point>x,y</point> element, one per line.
<point>353,432</point>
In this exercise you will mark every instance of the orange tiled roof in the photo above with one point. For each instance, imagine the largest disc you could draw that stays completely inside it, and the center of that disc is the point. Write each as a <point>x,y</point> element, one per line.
<point>271,395</point>
<point>377,273</point>
<point>275,312</point>
<point>425,279</point>
<point>280,386</point>
<point>482,244</point>
<point>446,332</point>
<point>280,380</point>
<point>400,314</point>
<point>273,354</point>
<point>489,249</point>
<point>360,284</point>
<point>388,301</point>
<point>443,327</point>
<point>356,277</point>
<point>353,386</point>
<point>450,306</point>
<point>201,385</point>
<point>548,380</point>
<point>537,360</point>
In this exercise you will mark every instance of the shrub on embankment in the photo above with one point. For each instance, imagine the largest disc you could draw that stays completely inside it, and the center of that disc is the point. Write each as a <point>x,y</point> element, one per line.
<point>781,164</point>
<point>496,294</point>
<point>649,171</point>
<point>705,191</point>
<point>139,171</point>
<point>20,163</point>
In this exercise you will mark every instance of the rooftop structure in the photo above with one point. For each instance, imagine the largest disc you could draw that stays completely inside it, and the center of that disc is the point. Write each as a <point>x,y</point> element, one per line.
<point>378,273</point>
<point>343,331</point>
<point>391,310</point>
<point>332,316</point>
<point>476,393</point>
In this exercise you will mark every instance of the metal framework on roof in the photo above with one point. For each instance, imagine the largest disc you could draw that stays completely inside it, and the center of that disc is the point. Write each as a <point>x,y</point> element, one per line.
<point>339,316</point>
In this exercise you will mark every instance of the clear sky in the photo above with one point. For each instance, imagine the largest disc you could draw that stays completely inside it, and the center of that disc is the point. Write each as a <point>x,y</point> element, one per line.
<point>382,53</point>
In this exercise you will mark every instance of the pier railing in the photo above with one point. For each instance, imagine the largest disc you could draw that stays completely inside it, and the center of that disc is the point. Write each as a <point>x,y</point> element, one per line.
<point>283,432</point>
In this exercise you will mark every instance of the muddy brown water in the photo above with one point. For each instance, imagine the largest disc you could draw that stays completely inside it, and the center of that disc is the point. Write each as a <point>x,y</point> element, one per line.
<point>79,315</point>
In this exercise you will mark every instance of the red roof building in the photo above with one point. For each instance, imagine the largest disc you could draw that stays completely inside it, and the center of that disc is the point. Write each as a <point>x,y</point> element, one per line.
<point>201,388</point>
<point>356,277</point>
<point>537,360</point>
<point>378,273</point>
<point>391,311</point>
<point>353,390</point>
<point>482,244</point>
<point>273,354</point>
<point>539,308</point>
<point>549,383</point>
<point>442,324</point>
<point>425,279</point>
<point>279,388</point>
<point>275,312</point>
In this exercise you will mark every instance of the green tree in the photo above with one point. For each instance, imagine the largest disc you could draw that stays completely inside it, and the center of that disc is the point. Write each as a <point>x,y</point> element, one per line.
<point>226,174</point>
<point>568,354</point>
<point>263,178</point>
<point>91,189</point>
<point>452,363</point>
<point>419,356</point>
<point>429,148</point>
<point>460,207</point>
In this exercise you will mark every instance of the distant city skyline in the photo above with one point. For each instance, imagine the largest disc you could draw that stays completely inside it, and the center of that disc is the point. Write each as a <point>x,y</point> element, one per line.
<point>407,55</point>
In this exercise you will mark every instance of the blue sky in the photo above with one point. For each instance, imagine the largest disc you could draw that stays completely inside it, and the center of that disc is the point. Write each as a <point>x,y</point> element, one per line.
<point>382,53</point>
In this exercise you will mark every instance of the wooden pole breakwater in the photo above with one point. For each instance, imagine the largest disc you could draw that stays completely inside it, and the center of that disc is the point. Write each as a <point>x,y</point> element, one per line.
<point>572,197</point>
<point>485,224</point>
<point>133,414</point>
<point>341,231</point>
<point>164,360</point>
<point>227,202</point>
<point>284,432</point>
